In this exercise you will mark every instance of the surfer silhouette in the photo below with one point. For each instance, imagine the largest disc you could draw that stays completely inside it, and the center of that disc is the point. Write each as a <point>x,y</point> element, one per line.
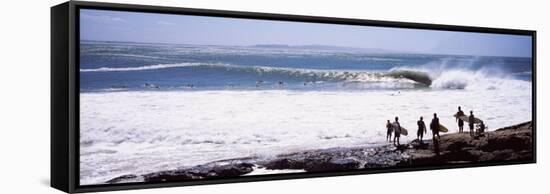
<point>397,131</point>
<point>434,126</point>
<point>435,141</point>
<point>481,128</point>
<point>389,129</point>
<point>421,129</point>
<point>460,121</point>
<point>471,121</point>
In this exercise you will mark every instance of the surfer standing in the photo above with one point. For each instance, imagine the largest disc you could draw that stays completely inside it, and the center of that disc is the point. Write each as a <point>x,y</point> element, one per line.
<point>471,121</point>
<point>389,129</point>
<point>434,126</point>
<point>421,129</point>
<point>435,141</point>
<point>397,130</point>
<point>481,128</point>
<point>460,121</point>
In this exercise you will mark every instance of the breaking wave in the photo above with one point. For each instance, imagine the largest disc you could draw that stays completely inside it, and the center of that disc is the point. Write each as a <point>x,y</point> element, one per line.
<point>305,74</point>
<point>464,78</point>
<point>437,78</point>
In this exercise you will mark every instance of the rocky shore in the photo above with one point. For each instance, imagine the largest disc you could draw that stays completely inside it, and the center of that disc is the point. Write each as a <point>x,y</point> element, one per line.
<point>512,143</point>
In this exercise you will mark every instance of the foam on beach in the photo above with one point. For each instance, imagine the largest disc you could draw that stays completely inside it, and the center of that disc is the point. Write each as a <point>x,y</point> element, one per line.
<point>144,131</point>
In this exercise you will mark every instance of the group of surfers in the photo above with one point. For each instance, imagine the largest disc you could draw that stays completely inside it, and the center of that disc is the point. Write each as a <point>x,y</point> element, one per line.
<point>395,127</point>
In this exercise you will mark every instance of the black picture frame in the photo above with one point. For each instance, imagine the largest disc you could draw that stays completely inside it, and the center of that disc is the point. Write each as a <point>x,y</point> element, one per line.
<point>65,92</point>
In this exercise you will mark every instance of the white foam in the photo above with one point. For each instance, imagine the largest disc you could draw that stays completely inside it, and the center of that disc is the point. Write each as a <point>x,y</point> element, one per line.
<point>140,68</point>
<point>138,132</point>
<point>463,77</point>
<point>479,80</point>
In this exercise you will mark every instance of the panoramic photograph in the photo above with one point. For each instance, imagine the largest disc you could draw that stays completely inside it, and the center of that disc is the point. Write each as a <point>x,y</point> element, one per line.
<point>167,97</point>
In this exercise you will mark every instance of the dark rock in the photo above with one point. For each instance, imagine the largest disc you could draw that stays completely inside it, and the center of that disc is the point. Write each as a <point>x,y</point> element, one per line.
<point>424,157</point>
<point>402,147</point>
<point>521,126</point>
<point>509,140</point>
<point>506,144</point>
<point>416,144</point>
<point>230,170</point>
<point>376,164</point>
<point>285,163</point>
<point>163,176</point>
<point>460,155</point>
<point>344,163</point>
<point>332,164</point>
<point>211,170</point>
<point>387,156</point>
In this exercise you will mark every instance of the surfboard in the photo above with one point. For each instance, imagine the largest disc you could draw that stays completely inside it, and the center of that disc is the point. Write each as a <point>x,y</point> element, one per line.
<point>403,130</point>
<point>443,128</point>
<point>466,119</point>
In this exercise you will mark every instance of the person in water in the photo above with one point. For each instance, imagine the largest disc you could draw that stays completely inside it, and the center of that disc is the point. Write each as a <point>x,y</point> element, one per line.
<point>259,83</point>
<point>460,121</point>
<point>389,129</point>
<point>471,121</point>
<point>148,85</point>
<point>434,126</point>
<point>397,131</point>
<point>421,129</point>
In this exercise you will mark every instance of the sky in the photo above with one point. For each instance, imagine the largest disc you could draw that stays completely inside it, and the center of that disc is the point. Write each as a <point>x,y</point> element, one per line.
<point>104,25</point>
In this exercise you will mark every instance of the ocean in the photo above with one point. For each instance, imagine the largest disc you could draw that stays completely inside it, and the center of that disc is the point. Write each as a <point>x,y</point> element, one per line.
<point>151,107</point>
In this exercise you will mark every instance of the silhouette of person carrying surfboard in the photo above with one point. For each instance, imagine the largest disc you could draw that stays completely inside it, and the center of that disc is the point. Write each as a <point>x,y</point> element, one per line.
<point>389,129</point>
<point>397,131</point>
<point>460,121</point>
<point>471,121</point>
<point>421,129</point>
<point>434,126</point>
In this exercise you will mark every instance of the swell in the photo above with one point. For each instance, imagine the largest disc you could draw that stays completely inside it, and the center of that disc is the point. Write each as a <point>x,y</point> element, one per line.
<point>418,77</point>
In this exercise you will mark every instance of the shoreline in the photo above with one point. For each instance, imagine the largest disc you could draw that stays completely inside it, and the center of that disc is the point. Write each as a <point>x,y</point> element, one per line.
<point>505,144</point>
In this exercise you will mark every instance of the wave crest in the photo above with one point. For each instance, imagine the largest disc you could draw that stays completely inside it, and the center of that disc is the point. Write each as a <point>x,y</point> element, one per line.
<point>140,68</point>
<point>415,77</point>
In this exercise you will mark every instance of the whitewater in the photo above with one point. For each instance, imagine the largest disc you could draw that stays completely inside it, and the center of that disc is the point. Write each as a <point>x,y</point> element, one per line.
<point>143,131</point>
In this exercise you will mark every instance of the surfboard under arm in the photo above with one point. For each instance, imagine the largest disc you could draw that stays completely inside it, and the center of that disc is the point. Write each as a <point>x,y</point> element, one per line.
<point>467,119</point>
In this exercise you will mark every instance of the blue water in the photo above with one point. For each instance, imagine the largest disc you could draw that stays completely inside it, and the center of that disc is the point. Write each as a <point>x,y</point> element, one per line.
<point>113,66</point>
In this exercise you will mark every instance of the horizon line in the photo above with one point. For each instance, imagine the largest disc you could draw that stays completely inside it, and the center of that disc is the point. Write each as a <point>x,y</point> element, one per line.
<point>253,45</point>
